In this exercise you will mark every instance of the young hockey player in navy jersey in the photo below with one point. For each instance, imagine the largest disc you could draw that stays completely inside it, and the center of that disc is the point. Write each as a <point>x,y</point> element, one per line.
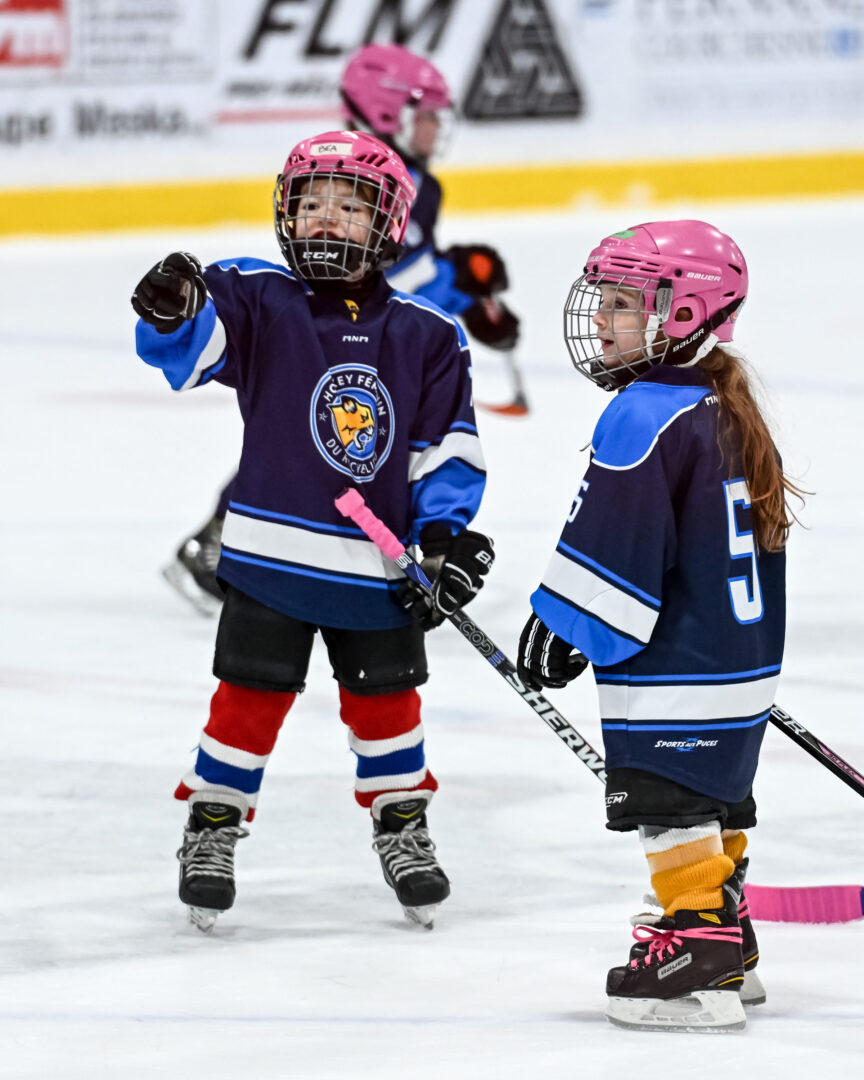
<point>404,100</point>
<point>669,578</point>
<point>340,381</point>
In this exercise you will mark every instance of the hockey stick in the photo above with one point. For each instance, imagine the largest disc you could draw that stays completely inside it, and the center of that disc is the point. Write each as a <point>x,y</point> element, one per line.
<point>351,504</point>
<point>518,404</point>
<point>823,754</point>
<point>806,904</point>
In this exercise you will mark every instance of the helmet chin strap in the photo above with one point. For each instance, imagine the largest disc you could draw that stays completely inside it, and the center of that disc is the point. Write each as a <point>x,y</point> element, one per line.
<point>690,350</point>
<point>703,350</point>
<point>652,328</point>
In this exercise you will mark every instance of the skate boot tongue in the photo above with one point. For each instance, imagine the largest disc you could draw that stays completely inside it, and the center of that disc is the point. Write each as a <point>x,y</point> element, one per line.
<point>395,816</point>
<point>215,815</point>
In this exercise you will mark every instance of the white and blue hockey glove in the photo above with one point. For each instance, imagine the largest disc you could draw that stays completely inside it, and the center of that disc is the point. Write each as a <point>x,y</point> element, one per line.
<point>171,292</point>
<point>546,659</point>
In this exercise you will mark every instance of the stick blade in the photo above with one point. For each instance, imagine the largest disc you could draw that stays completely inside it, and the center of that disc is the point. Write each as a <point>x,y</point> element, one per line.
<point>519,407</point>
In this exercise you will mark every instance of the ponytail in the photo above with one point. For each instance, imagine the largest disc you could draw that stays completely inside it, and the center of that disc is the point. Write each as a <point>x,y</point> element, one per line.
<point>742,426</point>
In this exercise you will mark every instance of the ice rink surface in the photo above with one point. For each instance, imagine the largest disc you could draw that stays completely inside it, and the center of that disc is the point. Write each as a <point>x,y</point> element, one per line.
<point>105,680</point>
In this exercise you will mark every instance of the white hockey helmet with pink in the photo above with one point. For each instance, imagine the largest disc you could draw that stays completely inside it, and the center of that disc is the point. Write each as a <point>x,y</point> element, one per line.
<point>691,280</point>
<point>349,229</point>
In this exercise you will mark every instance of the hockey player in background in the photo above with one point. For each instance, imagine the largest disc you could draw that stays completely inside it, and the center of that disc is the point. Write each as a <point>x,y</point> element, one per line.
<point>340,380</point>
<point>669,578</point>
<point>404,100</point>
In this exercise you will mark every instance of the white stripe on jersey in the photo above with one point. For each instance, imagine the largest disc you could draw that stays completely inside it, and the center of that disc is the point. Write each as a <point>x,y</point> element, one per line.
<point>456,444</point>
<point>686,701</point>
<point>209,354</point>
<point>324,551</point>
<point>599,597</point>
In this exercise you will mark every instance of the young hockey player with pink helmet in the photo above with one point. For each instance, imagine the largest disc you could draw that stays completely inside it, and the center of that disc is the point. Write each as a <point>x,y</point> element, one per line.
<point>402,99</point>
<point>318,355</point>
<point>669,578</point>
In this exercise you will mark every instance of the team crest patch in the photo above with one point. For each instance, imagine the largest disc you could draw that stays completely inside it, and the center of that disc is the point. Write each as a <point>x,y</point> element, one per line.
<point>352,420</point>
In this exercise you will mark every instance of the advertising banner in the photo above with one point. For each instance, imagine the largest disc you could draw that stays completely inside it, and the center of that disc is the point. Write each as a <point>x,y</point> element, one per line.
<point>107,91</point>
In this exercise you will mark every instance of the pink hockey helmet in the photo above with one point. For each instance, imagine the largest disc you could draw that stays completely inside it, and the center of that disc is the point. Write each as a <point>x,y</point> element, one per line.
<point>382,88</point>
<point>691,281</point>
<point>332,231</point>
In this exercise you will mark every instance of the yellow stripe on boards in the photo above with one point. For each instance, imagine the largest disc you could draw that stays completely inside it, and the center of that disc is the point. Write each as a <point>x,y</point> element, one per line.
<point>491,189</point>
<point>614,183</point>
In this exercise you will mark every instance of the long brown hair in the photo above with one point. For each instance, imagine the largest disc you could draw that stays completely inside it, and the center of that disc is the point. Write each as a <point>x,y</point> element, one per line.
<point>741,422</point>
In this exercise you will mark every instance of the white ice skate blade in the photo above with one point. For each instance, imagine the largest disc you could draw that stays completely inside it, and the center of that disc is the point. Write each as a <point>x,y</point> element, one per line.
<point>179,578</point>
<point>709,1011</point>
<point>752,991</point>
<point>203,918</point>
<point>424,915</point>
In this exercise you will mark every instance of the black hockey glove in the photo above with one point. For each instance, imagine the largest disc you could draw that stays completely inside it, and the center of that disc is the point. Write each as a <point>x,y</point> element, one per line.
<point>171,292</point>
<point>492,323</point>
<point>546,659</point>
<point>455,565</point>
<point>480,270</point>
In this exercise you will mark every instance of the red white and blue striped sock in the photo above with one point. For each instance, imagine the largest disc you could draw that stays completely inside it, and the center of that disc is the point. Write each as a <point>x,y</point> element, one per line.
<point>236,743</point>
<point>387,737</point>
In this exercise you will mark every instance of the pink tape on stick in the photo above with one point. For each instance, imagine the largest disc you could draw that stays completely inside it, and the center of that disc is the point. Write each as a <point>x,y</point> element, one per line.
<point>351,504</point>
<point>808,904</point>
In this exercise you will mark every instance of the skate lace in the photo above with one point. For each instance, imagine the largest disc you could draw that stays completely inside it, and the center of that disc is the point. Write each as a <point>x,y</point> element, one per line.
<point>210,851</point>
<point>407,851</point>
<point>665,943</point>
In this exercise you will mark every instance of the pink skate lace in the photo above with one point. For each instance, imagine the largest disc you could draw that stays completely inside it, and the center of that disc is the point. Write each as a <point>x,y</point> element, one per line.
<point>667,941</point>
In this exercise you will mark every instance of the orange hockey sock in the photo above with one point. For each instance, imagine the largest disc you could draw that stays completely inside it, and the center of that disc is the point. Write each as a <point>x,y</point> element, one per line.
<point>688,867</point>
<point>734,844</point>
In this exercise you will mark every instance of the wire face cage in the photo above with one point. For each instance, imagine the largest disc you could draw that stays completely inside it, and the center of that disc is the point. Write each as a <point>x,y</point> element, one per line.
<point>334,226</point>
<point>611,328</point>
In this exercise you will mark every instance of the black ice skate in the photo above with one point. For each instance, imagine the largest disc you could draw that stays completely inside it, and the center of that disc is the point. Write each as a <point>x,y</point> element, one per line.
<point>408,857</point>
<point>688,978</point>
<point>207,855</point>
<point>752,991</point>
<point>193,572</point>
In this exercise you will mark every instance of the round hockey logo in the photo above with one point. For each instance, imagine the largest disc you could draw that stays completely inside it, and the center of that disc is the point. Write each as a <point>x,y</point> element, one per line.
<point>351,418</point>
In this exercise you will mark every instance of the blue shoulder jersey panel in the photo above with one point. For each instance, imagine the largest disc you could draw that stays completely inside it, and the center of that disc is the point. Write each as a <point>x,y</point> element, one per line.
<point>632,423</point>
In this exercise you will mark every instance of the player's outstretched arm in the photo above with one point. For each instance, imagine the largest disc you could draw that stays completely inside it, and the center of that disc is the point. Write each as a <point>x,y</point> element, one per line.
<point>171,292</point>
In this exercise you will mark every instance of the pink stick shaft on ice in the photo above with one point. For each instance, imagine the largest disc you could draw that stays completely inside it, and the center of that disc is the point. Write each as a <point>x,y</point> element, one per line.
<point>809,904</point>
<point>352,505</point>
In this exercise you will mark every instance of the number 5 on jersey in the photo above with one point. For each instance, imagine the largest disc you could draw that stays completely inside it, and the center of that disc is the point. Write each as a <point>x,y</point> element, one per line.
<point>746,605</point>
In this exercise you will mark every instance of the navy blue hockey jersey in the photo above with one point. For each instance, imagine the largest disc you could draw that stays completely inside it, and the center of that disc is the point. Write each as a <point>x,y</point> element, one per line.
<point>331,395</point>
<point>656,579</point>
